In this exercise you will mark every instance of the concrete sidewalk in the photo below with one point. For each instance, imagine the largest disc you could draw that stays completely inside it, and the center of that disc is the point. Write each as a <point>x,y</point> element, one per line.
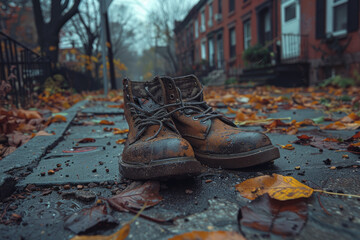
<point>207,202</point>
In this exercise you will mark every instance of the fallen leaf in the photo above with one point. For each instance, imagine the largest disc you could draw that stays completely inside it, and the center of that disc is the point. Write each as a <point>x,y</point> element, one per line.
<point>43,133</point>
<point>287,146</point>
<point>135,198</point>
<point>120,131</point>
<point>330,140</point>
<point>304,137</point>
<point>87,140</point>
<point>28,114</point>
<point>352,117</point>
<point>116,106</point>
<point>89,218</point>
<point>277,186</point>
<point>106,122</point>
<point>200,235</point>
<point>285,218</point>
<point>121,141</point>
<point>354,148</point>
<point>57,118</point>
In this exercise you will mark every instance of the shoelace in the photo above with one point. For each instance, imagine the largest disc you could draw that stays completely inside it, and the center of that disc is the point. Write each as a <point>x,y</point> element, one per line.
<point>201,109</point>
<point>145,119</point>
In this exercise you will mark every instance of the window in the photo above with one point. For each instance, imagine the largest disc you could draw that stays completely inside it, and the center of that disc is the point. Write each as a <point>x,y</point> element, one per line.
<point>290,12</point>
<point>220,6</point>
<point>196,28</point>
<point>231,6</point>
<point>336,17</point>
<point>210,23</point>
<point>203,50</point>
<point>232,43</point>
<point>211,52</point>
<point>247,34</point>
<point>203,28</point>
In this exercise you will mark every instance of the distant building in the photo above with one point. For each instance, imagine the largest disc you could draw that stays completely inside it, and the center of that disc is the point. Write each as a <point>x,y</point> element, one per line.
<point>306,41</point>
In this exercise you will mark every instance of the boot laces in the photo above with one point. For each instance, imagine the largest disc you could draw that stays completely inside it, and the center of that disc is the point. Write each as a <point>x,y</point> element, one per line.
<point>157,116</point>
<point>195,106</point>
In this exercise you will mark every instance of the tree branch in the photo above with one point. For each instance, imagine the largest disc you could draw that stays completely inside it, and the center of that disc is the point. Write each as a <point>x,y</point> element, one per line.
<point>73,10</point>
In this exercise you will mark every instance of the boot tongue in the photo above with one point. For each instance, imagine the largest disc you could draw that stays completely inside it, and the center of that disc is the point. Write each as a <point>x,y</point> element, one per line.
<point>147,104</point>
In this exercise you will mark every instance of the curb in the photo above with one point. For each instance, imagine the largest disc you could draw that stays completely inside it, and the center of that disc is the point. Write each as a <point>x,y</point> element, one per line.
<point>26,157</point>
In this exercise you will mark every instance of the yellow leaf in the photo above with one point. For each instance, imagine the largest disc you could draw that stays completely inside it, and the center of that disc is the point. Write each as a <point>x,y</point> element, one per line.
<point>120,131</point>
<point>108,44</point>
<point>201,235</point>
<point>52,48</point>
<point>287,146</point>
<point>121,141</point>
<point>277,186</point>
<point>119,235</point>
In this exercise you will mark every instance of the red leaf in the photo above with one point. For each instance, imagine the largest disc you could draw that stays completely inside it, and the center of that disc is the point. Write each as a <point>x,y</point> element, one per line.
<point>87,140</point>
<point>304,137</point>
<point>88,218</point>
<point>136,198</point>
<point>286,218</point>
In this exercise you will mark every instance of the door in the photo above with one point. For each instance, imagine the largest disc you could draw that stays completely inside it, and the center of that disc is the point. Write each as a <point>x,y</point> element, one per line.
<point>290,29</point>
<point>211,52</point>
<point>219,51</point>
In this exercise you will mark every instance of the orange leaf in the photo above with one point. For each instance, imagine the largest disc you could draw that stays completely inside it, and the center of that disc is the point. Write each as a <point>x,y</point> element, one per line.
<point>120,131</point>
<point>106,122</point>
<point>121,141</point>
<point>119,235</point>
<point>230,110</point>
<point>229,98</point>
<point>330,140</point>
<point>58,118</point>
<point>27,114</point>
<point>200,235</point>
<point>277,186</point>
<point>350,118</point>
<point>356,136</point>
<point>304,137</point>
<point>287,146</point>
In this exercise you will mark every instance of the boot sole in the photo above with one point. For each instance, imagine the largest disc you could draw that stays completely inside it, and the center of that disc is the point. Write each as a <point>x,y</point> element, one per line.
<point>239,160</point>
<point>167,168</point>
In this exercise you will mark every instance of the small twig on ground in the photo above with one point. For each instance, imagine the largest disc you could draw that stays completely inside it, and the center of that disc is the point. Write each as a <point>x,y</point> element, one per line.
<point>326,211</point>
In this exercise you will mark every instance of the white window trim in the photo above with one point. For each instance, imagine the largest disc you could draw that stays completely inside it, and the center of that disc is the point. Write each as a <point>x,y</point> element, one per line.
<point>196,28</point>
<point>203,21</point>
<point>211,14</point>
<point>330,18</point>
<point>203,50</point>
<point>247,34</point>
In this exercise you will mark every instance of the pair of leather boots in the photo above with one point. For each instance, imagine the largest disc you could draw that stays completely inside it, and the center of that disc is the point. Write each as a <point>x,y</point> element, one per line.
<point>172,131</point>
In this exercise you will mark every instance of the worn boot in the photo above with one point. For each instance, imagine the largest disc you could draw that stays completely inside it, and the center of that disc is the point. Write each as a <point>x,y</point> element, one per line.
<point>154,148</point>
<point>216,141</point>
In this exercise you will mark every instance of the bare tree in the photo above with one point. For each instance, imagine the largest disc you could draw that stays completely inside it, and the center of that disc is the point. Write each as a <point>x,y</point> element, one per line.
<point>162,18</point>
<point>48,31</point>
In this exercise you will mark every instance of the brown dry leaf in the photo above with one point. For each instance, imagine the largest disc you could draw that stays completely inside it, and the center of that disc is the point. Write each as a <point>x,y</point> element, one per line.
<point>87,140</point>
<point>88,218</point>
<point>352,117</point>
<point>286,218</point>
<point>43,133</point>
<point>119,235</point>
<point>277,186</point>
<point>27,114</point>
<point>341,126</point>
<point>58,118</point>
<point>330,140</point>
<point>106,122</point>
<point>148,194</point>
<point>354,148</point>
<point>228,98</point>
<point>276,123</point>
<point>201,235</point>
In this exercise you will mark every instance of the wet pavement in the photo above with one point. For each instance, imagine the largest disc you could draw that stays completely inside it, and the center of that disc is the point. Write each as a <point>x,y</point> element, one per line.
<point>85,172</point>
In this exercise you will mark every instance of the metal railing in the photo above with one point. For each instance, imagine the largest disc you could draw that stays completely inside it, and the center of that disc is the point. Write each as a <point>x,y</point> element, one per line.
<point>294,47</point>
<point>24,69</point>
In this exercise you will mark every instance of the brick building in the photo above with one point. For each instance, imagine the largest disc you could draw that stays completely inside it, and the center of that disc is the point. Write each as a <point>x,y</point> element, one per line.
<point>306,40</point>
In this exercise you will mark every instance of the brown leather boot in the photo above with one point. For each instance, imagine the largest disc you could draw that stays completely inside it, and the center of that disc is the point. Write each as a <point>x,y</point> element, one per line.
<point>154,148</point>
<point>216,140</point>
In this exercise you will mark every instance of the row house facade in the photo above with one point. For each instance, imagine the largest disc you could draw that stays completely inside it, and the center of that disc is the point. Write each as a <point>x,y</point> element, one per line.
<point>317,38</point>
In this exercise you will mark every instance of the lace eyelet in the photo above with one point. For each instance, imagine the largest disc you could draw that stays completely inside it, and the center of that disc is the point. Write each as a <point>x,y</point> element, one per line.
<point>172,96</point>
<point>170,86</point>
<point>195,118</point>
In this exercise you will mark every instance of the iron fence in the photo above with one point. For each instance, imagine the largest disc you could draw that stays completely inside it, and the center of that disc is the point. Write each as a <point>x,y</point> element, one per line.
<point>294,47</point>
<point>24,69</point>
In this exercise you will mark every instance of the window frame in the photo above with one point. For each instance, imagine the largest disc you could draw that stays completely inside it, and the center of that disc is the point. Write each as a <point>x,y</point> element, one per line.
<point>203,21</point>
<point>232,47</point>
<point>330,5</point>
<point>247,33</point>
<point>232,6</point>
<point>196,28</point>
